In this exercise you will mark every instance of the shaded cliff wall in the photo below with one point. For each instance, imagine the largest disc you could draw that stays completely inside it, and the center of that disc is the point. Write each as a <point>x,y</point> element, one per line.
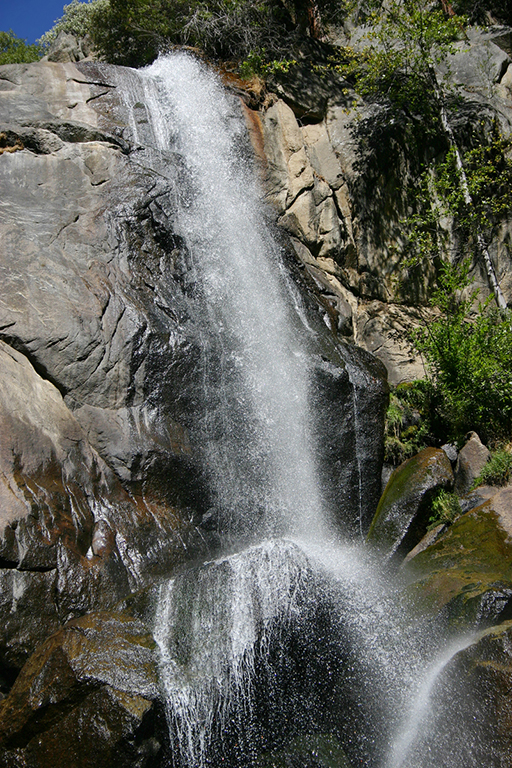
<point>342,177</point>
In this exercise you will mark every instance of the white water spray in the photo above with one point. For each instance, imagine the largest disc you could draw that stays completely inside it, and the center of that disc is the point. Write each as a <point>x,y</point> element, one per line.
<point>260,379</point>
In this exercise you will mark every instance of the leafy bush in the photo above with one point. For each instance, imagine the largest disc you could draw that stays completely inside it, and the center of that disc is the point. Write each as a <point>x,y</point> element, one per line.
<point>77,19</point>
<point>497,471</point>
<point>133,32</point>
<point>408,426</point>
<point>14,50</point>
<point>445,509</point>
<point>406,39</point>
<point>468,358</point>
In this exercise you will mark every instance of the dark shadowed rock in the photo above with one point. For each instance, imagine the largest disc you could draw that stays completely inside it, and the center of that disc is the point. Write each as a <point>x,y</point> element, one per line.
<point>86,697</point>
<point>404,508</point>
<point>472,722</point>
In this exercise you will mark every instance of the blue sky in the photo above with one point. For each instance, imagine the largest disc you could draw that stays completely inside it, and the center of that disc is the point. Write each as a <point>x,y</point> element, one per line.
<point>29,19</point>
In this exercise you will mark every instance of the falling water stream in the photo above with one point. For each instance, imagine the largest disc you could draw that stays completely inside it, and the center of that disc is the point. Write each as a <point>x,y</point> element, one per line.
<point>298,635</point>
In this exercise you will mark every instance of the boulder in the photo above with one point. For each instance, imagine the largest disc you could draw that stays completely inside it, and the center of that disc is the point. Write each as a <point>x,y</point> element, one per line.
<point>471,722</point>
<point>403,512</point>
<point>471,460</point>
<point>67,47</point>
<point>86,697</point>
<point>466,574</point>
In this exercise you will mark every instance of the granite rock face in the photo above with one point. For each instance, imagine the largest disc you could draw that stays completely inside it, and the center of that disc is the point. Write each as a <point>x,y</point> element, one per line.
<point>471,460</point>
<point>342,179</point>
<point>101,483</point>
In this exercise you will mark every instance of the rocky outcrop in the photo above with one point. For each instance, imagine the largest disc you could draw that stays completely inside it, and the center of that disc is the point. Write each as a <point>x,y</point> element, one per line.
<point>102,484</point>
<point>403,512</point>
<point>342,178</point>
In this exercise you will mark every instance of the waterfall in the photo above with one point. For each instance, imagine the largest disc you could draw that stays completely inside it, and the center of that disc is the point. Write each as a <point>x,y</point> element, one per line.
<point>256,434</point>
<point>293,638</point>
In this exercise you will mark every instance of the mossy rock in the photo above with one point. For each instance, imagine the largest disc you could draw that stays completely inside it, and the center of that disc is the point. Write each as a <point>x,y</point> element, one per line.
<point>467,573</point>
<point>404,508</point>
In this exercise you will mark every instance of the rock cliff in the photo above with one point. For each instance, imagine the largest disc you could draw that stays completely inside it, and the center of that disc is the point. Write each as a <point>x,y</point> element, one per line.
<point>103,487</point>
<point>341,176</point>
<point>102,480</point>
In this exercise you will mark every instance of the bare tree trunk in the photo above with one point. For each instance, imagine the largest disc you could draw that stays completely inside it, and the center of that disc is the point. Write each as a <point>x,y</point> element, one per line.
<point>481,243</point>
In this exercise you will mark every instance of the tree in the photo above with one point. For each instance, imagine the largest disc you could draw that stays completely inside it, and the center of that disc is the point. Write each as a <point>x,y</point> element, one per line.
<point>406,42</point>
<point>77,19</point>
<point>468,358</point>
<point>14,50</point>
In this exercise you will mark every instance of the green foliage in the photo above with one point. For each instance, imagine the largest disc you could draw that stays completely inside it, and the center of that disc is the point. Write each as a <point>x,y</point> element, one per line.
<point>489,175</point>
<point>468,356</point>
<point>408,428</point>
<point>133,32</point>
<point>407,38</point>
<point>444,226</point>
<point>77,19</point>
<point>14,50</point>
<point>497,471</point>
<point>445,509</point>
<point>261,34</point>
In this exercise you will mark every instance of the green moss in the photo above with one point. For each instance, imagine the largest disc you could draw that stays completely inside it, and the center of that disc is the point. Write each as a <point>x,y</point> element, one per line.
<point>453,575</point>
<point>404,492</point>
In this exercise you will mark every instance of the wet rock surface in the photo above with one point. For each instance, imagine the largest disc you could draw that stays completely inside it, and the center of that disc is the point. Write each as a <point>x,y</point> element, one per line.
<point>86,697</point>
<point>102,488</point>
<point>474,726</point>
<point>402,515</point>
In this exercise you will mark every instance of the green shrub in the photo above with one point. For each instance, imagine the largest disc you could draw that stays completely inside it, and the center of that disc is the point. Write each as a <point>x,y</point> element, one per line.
<point>133,32</point>
<point>14,50</point>
<point>408,426</point>
<point>497,471</point>
<point>468,357</point>
<point>445,508</point>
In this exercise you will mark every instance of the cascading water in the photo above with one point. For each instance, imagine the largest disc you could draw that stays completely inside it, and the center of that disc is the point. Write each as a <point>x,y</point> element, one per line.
<point>256,437</point>
<point>287,642</point>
